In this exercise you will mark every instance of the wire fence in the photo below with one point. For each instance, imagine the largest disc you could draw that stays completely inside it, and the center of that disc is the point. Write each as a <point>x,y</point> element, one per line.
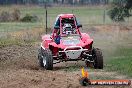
<point>87,16</point>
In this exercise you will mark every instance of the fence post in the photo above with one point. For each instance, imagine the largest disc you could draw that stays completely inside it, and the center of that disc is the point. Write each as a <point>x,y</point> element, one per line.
<point>104,17</point>
<point>46,16</point>
<point>128,20</point>
<point>73,5</point>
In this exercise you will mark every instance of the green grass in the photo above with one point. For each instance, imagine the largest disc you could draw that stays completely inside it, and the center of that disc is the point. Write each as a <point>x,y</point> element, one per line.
<point>14,26</point>
<point>86,16</point>
<point>8,42</point>
<point>121,62</point>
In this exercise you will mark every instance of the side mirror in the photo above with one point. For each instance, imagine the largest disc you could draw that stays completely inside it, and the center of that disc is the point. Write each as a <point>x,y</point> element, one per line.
<point>79,25</point>
<point>56,27</point>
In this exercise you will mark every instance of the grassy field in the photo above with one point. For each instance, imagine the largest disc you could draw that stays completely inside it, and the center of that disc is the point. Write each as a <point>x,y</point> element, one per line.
<point>121,61</point>
<point>116,45</point>
<point>17,26</point>
<point>86,16</point>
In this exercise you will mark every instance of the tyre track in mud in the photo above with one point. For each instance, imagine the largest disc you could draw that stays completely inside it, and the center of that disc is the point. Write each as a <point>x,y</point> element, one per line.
<point>19,68</point>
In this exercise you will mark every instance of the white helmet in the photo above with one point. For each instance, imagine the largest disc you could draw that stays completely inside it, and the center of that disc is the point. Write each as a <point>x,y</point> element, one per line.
<point>67,28</point>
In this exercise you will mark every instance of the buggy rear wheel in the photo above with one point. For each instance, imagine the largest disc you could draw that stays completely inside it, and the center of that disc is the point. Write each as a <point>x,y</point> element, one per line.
<point>98,58</point>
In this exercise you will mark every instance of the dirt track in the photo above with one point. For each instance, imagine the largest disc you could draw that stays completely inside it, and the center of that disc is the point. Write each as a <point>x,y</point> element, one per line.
<point>19,69</point>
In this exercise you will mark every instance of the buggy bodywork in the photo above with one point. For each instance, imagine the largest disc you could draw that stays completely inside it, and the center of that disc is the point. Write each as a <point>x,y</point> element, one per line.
<point>67,43</point>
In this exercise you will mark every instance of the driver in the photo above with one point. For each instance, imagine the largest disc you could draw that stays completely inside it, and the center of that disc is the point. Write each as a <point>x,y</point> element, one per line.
<point>57,37</point>
<point>67,29</point>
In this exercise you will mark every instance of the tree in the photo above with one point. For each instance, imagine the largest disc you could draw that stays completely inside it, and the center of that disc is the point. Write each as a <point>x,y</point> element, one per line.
<point>55,1</point>
<point>120,10</point>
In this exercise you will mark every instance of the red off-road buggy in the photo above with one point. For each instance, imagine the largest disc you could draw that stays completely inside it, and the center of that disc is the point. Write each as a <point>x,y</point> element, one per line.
<point>67,43</point>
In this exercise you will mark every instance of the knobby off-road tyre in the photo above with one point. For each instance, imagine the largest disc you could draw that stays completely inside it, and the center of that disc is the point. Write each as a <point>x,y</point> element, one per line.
<point>45,59</point>
<point>40,59</point>
<point>98,58</point>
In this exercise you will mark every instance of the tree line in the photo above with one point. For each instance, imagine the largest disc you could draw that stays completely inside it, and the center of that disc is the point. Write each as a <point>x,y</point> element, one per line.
<point>120,10</point>
<point>82,2</point>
